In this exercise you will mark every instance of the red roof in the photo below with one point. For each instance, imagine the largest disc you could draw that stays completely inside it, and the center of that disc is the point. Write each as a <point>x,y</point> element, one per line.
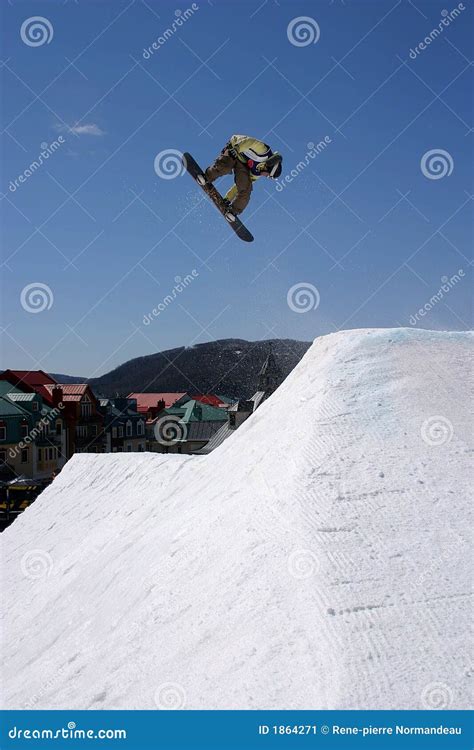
<point>36,377</point>
<point>71,391</point>
<point>26,380</point>
<point>210,399</point>
<point>146,401</point>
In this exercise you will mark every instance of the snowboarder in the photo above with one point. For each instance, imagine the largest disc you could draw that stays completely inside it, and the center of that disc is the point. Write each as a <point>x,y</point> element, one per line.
<point>249,159</point>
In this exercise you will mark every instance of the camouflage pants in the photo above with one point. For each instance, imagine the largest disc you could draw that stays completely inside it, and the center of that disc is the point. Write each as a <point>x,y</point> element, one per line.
<point>226,164</point>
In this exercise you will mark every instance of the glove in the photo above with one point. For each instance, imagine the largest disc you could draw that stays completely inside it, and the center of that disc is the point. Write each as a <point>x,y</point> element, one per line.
<point>229,151</point>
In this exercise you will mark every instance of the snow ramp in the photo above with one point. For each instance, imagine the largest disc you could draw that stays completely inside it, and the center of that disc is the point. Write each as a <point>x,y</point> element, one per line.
<point>318,559</point>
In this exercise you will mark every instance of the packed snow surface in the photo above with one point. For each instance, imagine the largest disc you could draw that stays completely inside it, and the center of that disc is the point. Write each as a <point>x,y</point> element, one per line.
<point>318,559</point>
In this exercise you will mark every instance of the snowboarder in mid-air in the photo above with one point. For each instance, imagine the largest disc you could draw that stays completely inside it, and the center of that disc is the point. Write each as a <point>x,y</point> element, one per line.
<point>249,159</point>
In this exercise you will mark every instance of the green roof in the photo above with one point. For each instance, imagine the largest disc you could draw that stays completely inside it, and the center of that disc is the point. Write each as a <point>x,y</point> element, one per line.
<point>195,411</point>
<point>11,398</point>
<point>9,409</point>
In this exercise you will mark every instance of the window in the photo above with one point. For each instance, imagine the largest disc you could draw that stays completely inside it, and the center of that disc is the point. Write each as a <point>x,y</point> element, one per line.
<point>3,431</point>
<point>40,455</point>
<point>231,419</point>
<point>140,427</point>
<point>141,447</point>
<point>129,448</point>
<point>81,431</point>
<point>128,429</point>
<point>94,430</point>
<point>50,454</point>
<point>35,406</point>
<point>114,450</point>
<point>3,457</point>
<point>24,456</point>
<point>114,432</point>
<point>24,428</point>
<point>86,407</point>
<point>59,428</point>
<point>120,431</point>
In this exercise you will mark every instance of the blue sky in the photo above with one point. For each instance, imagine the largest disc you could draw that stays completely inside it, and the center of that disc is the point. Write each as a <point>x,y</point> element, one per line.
<point>363,223</point>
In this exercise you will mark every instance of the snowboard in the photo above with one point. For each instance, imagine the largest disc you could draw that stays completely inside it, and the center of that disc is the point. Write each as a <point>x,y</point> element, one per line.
<point>195,170</point>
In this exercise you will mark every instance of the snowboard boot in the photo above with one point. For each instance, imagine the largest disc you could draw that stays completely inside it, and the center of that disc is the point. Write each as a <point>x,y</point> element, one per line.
<point>201,179</point>
<point>229,214</point>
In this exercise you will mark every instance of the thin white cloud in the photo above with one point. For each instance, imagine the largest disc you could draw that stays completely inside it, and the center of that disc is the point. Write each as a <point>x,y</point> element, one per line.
<point>86,129</point>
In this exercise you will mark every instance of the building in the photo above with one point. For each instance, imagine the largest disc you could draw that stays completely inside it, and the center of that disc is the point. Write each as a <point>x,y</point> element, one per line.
<point>124,425</point>
<point>220,402</point>
<point>185,427</point>
<point>269,378</point>
<point>150,404</point>
<point>30,381</point>
<point>32,434</point>
<point>84,420</point>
